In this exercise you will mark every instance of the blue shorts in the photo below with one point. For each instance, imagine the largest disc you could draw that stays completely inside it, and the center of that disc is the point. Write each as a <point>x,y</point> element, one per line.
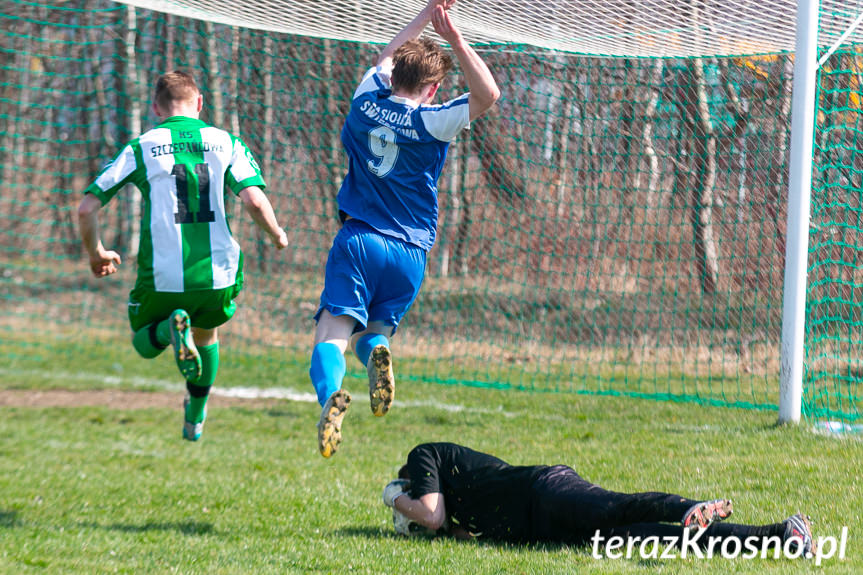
<point>370,276</point>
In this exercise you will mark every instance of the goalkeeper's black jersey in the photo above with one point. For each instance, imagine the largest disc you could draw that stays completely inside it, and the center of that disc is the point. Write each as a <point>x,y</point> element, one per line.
<point>483,494</point>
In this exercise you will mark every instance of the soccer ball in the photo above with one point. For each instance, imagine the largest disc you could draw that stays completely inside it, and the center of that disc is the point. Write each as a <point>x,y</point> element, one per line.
<point>405,526</point>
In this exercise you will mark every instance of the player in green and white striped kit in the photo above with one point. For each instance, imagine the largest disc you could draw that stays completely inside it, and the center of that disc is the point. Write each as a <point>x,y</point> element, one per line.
<point>190,269</point>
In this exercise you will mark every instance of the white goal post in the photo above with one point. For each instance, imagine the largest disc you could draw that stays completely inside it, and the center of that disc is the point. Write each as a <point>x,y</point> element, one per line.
<point>806,66</point>
<point>799,200</point>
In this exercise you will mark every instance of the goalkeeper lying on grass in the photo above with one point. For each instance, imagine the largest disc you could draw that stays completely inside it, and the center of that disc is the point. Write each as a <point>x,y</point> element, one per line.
<point>452,489</point>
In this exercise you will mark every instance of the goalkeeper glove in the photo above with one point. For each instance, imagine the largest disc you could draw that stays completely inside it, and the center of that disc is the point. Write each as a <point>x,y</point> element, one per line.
<point>393,489</point>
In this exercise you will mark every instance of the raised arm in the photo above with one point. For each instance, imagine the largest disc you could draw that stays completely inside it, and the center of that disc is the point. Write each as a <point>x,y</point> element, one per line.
<point>412,31</point>
<point>259,207</point>
<point>483,89</point>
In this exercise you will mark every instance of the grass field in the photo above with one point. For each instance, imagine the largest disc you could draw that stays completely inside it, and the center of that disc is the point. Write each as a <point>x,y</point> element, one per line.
<point>97,489</point>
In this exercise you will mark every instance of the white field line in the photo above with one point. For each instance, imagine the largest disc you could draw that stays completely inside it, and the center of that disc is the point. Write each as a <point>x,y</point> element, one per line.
<point>55,375</point>
<point>237,392</point>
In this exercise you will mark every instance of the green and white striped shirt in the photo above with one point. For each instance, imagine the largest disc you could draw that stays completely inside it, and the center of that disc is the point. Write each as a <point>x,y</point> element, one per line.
<point>183,168</point>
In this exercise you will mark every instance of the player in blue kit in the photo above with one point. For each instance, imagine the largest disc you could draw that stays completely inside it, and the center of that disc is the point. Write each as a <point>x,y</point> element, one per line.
<point>396,142</point>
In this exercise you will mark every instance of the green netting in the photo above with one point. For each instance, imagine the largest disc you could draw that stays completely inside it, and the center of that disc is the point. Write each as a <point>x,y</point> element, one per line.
<point>615,226</point>
<point>834,333</point>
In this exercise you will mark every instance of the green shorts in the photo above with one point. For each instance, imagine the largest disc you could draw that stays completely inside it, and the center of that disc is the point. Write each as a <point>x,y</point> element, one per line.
<point>207,308</point>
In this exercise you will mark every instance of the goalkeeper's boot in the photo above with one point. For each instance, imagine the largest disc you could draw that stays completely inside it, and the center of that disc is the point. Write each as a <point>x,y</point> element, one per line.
<point>185,353</point>
<point>382,382</point>
<point>702,515</point>
<point>799,529</point>
<point>192,430</point>
<point>330,425</point>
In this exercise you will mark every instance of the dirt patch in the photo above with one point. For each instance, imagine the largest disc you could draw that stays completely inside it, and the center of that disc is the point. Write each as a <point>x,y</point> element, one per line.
<point>114,399</point>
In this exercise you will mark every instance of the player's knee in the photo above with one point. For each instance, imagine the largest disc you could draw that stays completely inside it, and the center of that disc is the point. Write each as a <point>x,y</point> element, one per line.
<point>146,342</point>
<point>147,352</point>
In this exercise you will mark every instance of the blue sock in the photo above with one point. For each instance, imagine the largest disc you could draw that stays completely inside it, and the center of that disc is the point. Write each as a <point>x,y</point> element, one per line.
<point>327,371</point>
<point>367,343</point>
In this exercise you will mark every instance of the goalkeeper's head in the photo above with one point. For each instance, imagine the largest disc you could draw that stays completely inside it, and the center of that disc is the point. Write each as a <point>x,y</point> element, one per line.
<point>418,65</point>
<point>404,473</point>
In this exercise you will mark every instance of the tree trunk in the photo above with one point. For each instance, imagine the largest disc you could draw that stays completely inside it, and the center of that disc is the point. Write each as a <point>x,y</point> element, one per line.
<point>14,138</point>
<point>559,165</point>
<point>170,40</point>
<point>133,113</point>
<point>332,123</point>
<point>234,81</point>
<point>625,162</point>
<point>461,215</point>
<point>777,175</point>
<point>214,78</point>
<point>735,138</point>
<point>650,109</point>
<point>498,167</point>
<point>454,162</point>
<point>704,155</point>
<point>268,144</point>
<point>592,186</point>
<point>100,93</point>
<point>234,93</point>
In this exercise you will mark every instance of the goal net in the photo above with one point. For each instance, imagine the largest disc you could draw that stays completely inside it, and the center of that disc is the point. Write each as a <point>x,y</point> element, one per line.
<point>615,226</point>
<point>629,28</point>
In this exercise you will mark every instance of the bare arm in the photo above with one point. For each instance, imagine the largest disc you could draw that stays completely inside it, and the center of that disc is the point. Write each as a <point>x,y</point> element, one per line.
<point>412,31</point>
<point>102,262</point>
<point>259,207</point>
<point>483,89</point>
<point>428,510</point>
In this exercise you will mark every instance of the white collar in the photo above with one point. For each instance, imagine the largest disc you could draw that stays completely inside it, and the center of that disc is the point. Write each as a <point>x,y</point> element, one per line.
<point>405,101</point>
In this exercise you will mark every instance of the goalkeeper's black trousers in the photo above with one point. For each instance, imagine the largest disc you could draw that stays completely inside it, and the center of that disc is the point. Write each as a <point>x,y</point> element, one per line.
<point>566,508</point>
